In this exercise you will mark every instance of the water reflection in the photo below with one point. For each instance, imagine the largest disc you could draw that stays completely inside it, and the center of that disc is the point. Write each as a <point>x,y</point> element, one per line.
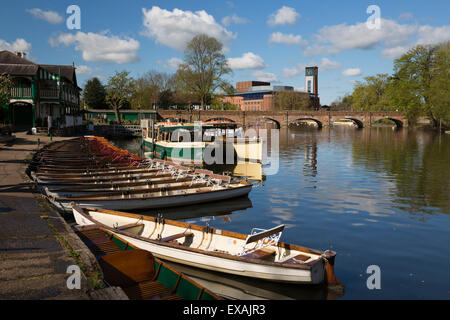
<point>367,194</point>
<point>195,213</point>
<point>242,288</point>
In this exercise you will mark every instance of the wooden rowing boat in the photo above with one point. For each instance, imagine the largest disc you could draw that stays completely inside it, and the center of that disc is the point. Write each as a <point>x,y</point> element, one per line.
<point>259,255</point>
<point>144,199</point>
<point>114,190</point>
<point>138,272</point>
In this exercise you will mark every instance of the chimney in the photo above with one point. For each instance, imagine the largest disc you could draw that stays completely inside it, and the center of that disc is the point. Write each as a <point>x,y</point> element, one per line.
<point>21,54</point>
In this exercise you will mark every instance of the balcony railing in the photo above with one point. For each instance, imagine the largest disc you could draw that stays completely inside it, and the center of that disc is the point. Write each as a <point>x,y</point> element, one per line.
<point>19,92</point>
<point>49,93</point>
<point>27,93</point>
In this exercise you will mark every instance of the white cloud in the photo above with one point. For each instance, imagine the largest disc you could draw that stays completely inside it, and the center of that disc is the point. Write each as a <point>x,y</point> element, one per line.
<point>100,47</point>
<point>278,37</point>
<point>393,37</point>
<point>176,28</point>
<point>433,35</point>
<point>18,45</point>
<point>327,64</point>
<point>228,20</point>
<point>406,16</point>
<point>294,71</point>
<point>284,15</point>
<point>173,63</point>
<point>248,60</point>
<point>265,76</point>
<point>338,38</point>
<point>49,16</point>
<point>84,70</point>
<point>395,52</point>
<point>352,72</point>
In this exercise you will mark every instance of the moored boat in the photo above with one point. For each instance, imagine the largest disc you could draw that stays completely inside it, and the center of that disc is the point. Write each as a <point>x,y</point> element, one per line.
<point>140,275</point>
<point>258,255</point>
<point>195,144</point>
<point>146,199</point>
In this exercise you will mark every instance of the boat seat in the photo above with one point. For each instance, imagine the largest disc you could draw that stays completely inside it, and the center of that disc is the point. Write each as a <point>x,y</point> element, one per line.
<point>301,258</point>
<point>220,178</point>
<point>129,226</point>
<point>177,236</point>
<point>261,254</point>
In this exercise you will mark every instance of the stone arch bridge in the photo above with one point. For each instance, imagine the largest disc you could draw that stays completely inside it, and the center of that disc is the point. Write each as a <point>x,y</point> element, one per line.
<point>283,119</point>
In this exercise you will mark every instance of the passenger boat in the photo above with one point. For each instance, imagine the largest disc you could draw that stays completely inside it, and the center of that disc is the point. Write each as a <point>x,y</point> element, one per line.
<point>209,143</point>
<point>259,255</point>
<point>140,275</point>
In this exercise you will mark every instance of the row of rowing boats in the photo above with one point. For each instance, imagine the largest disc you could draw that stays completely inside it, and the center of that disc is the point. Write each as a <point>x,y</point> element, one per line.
<point>90,172</point>
<point>96,181</point>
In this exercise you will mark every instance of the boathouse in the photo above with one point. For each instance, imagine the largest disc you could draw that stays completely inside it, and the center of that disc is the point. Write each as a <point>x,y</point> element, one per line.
<point>39,94</point>
<point>107,115</point>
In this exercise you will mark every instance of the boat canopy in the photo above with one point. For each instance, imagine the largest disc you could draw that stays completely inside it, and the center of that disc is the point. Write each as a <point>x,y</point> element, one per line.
<point>181,127</point>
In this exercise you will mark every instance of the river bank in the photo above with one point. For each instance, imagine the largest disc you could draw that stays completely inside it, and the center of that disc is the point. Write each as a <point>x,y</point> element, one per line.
<point>36,244</point>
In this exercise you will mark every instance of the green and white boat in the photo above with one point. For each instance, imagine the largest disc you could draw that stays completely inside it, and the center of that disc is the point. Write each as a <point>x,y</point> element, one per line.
<point>193,144</point>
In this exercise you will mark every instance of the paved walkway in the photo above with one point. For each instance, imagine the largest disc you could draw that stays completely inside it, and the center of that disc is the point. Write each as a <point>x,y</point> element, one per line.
<point>35,252</point>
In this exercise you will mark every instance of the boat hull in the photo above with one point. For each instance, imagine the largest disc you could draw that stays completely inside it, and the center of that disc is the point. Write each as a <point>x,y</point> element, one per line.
<point>154,202</point>
<point>313,273</point>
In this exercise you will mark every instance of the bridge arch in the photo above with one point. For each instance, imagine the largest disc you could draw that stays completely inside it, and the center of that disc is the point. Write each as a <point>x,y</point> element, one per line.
<point>172,120</point>
<point>319,123</point>
<point>276,122</point>
<point>220,120</point>
<point>397,122</point>
<point>356,121</point>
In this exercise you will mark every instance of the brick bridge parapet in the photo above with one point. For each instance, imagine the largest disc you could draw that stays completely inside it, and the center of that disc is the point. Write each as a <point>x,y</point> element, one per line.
<point>284,118</point>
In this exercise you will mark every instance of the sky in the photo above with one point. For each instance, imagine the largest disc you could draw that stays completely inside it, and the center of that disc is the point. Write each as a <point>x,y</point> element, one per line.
<point>263,40</point>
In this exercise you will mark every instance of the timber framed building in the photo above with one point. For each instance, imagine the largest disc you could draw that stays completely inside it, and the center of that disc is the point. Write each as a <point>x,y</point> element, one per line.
<point>39,93</point>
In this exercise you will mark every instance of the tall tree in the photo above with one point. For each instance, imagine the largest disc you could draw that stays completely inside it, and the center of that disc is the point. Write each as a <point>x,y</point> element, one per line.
<point>203,69</point>
<point>420,78</point>
<point>440,85</point>
<point>119,89</point>
<point>291,100</point>
<point>370,95</point>
<point>153,89</point>
<point>5,86</point>
<point>94,94</point>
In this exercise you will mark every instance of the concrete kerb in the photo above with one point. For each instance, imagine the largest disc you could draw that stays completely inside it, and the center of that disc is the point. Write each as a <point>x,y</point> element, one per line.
<point>74,246</point>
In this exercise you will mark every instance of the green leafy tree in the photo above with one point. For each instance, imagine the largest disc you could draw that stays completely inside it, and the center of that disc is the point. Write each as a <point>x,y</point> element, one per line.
<point>421,81</point>
<point>119,90</point>
<point>203,69</point>
<point>291,100</point>
<point>153,89</point>
<point>370,95</point>
<point>344,103</point>
<point>440,85</point>
<point>94,94</point>
<point>5,86</point>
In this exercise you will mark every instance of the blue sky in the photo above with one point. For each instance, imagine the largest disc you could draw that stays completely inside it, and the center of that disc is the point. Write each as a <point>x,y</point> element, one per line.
<point>264,40</point>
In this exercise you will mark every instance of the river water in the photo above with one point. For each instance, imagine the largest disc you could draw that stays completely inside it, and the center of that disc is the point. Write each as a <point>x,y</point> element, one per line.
<point>376,196</point>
